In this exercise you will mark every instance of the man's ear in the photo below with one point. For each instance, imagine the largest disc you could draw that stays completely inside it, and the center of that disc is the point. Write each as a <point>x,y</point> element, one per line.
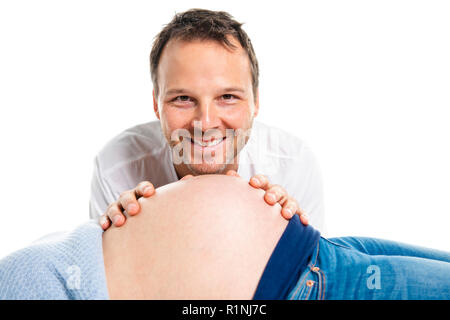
<point>255,113</point>
<point>155,105</point>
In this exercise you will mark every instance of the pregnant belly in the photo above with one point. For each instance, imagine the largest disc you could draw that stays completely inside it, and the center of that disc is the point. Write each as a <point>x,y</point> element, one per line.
<point>209,237</point>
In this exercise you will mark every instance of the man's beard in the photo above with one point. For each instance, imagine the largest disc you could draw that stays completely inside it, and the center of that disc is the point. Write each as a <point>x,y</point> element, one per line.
<point>184,151</point>
<point>200,169</point>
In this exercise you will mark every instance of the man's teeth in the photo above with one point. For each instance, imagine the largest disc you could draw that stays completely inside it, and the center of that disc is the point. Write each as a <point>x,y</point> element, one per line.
<point>208,144</point>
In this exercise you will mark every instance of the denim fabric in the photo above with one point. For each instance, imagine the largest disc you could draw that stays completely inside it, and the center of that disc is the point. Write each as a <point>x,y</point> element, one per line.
<point>353,268</point>
<point>288,260</point>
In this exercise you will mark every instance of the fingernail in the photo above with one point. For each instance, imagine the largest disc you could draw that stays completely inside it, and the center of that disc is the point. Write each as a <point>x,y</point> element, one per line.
<point>271,197</point>
<point>305,218</point>
<point>255,181</point>
<point>288,211</point>
<point>103,220</point>
<point>147,190</point>
<point>132,208</point>
<point>115,219</point>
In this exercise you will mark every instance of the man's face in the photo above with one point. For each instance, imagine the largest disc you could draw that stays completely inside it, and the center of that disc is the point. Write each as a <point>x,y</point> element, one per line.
<point>205,89</point>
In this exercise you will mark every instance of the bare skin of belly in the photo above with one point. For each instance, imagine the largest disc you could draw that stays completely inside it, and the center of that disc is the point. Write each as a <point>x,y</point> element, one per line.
<point>208,237</point>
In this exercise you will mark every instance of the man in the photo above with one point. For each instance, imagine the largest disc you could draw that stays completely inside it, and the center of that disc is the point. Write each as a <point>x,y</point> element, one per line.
<point>205,96</point>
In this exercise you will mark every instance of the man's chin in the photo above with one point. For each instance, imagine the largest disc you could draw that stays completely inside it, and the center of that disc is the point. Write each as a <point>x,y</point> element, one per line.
<point>207,168</point>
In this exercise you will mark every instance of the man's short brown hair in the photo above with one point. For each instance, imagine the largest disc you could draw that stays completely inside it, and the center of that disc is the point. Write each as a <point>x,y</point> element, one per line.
<point>201,24</point>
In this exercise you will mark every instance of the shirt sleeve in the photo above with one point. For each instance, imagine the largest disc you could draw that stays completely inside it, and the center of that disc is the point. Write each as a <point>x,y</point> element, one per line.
<point>101,193</point>
<point>305,184</point>
<point>315,194</point>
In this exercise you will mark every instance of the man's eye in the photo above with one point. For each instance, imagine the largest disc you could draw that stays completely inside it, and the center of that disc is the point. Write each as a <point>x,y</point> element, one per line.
<point>182,98</point>
<point>228,96</point>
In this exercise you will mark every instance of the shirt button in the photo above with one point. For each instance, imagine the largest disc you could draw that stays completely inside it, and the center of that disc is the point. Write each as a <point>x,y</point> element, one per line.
<point>315,269</point>
<point>309,283</point>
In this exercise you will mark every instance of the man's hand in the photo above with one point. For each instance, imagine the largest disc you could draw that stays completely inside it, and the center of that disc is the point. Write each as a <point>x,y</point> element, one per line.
<point>127,201</point>
<point>276,194</point>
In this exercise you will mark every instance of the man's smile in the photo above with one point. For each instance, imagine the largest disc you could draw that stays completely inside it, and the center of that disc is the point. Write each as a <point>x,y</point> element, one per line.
<point>209,145</point>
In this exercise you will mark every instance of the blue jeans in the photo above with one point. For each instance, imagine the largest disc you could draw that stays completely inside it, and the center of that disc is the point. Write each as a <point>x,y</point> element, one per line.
<point>351,268</point>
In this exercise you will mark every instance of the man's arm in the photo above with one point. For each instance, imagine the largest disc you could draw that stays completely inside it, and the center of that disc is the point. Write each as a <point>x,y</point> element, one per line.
<point>306,186</point>
<point>101,193</point>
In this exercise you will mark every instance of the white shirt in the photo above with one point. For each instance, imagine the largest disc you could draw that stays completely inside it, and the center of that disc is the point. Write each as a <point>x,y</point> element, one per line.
<point>141,153</point>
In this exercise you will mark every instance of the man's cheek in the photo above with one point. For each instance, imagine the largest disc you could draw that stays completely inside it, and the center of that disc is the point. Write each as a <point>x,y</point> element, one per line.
<point>177,119</point>
<point>240,119</point>
<point>170,124</point>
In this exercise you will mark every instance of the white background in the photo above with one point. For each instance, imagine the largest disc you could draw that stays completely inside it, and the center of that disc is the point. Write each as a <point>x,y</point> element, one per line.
<point>365,83</point>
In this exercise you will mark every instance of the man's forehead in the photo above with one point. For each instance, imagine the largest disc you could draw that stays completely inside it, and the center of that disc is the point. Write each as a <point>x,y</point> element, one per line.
<point>179,49</point>
<point>199,60</point>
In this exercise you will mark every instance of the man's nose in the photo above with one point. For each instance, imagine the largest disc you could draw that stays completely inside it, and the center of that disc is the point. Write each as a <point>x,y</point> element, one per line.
<point>208,116</point>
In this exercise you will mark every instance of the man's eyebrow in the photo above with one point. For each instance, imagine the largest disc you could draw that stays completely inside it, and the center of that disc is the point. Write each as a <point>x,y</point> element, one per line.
<point>173,91</point>
<point>234,89</point>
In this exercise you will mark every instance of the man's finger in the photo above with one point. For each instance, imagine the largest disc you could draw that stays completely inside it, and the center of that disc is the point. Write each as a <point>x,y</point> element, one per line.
<point>187,177</point>
<point>260,181</point>
<point>289,209</point>
<point>115,214</point>
<point>104,222</point>
<point>144,189</point>
<point>276,194</point>
<point>232,173</point>
<point>303,216</point>
<point>129,202</point>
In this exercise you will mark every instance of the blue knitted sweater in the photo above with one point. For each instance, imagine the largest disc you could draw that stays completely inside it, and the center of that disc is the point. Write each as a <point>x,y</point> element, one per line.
<point>64,266</point>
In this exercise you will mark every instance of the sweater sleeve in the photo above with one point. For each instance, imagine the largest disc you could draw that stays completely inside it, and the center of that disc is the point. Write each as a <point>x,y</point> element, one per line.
<point>69,266</point>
